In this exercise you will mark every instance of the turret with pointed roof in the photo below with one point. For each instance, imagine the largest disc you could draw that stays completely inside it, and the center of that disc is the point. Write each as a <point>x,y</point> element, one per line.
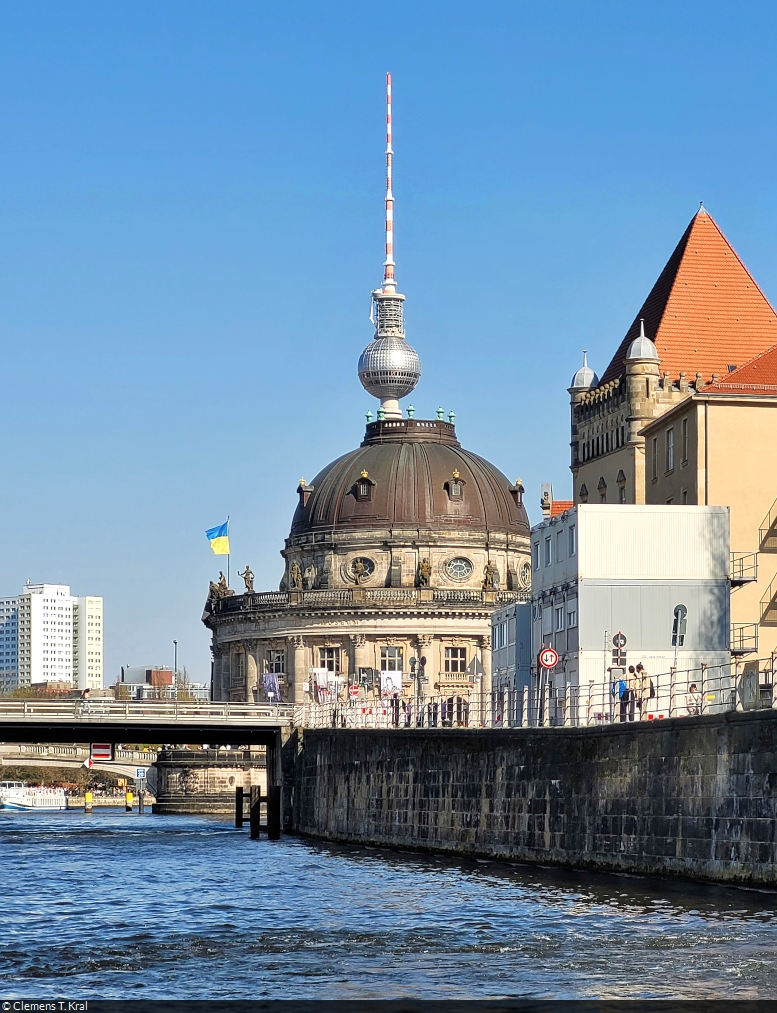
<point>704,318</point>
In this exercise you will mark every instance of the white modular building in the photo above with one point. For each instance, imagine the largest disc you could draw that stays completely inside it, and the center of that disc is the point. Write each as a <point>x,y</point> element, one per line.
<point>511,661</point>
<point>617,585</point>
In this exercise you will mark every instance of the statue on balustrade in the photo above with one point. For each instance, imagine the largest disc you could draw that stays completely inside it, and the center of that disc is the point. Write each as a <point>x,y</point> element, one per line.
<point>248,578</point>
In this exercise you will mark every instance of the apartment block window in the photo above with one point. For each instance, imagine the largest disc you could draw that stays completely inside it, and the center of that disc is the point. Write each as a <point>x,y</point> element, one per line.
<point>329,658</point>
<point>455,659</point>
<point>276,662</point>
<point>572,540</point>
<point>572,618</point>
<point>684,439</point>
<point>670,449</point>
<point>548,552</point>
<point>622,494</point>
<point>559,545</point>
<point>536,555</point>
<point>559,619</point>
<point>654,459</point>
<point>391,659</point>
<point>683,495</point>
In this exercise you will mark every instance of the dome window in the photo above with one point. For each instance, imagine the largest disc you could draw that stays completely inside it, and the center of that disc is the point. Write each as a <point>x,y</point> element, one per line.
<point>363,488</point>
<point>458,568</point>
<point>455,486</point>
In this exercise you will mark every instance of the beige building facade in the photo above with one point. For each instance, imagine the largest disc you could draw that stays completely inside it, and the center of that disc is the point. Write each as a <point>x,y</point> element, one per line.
<point>720,448</point>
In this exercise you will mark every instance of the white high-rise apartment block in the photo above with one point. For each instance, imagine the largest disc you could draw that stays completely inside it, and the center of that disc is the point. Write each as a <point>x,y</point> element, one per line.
<point>88,642</point>
<point>9,644</point>
<point>48,635</point>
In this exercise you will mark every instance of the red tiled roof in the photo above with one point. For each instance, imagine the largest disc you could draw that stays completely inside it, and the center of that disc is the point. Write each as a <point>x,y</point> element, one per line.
<point>705,312</point>
<point>758,376</point>
<point>560,506</point>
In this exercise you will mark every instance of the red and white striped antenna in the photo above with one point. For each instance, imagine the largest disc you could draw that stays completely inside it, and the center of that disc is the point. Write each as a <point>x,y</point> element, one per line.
<point>389,284</point>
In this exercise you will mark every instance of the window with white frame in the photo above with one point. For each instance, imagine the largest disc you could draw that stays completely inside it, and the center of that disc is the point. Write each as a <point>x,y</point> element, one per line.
<point>654,459</point>
<point>571,613</point>
<point>455,659</point>
<point>670,449</point>
<point>684,440</point>
<point>559,618</point>
<point>559,545</point>
<point>536,555</point>
<point>572,540</point>
<point>391,659</point>
<point>548,551</point>
<point>329,658</point>
<point>276,662</point>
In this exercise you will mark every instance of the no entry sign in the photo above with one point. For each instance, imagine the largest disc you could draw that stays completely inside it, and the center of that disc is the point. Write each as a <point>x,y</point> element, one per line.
<point>548,657</point>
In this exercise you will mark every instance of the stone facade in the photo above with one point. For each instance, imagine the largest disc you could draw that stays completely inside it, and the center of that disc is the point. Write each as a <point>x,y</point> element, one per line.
<point>398,551</point>
<point>695,797</point>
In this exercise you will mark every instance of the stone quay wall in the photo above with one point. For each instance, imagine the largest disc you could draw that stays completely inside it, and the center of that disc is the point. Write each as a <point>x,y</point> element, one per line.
<point>694,797</point>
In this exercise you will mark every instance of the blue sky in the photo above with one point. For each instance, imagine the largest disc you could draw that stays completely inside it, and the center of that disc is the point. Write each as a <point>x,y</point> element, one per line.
<point>191,224</point>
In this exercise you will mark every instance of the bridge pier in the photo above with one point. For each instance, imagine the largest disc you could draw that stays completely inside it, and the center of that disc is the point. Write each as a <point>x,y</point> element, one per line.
<point>204,780</point>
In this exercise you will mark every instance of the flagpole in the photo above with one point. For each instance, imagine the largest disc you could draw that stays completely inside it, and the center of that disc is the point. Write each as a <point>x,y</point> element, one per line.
<point>228,553</point>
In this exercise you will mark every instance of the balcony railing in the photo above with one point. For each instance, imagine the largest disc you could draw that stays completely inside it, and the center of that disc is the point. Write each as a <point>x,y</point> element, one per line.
<point>769,604</point>
<point>744,638</point>
<point>744,568</point>
<point>767,533</point>
<point>347,597</point>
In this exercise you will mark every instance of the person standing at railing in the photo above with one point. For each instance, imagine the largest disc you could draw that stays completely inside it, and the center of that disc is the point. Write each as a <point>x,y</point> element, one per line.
<point>644,687</point>
<point>693,701</point>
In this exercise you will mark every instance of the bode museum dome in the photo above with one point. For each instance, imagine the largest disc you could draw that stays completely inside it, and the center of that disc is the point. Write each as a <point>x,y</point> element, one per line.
<point>399,551</point>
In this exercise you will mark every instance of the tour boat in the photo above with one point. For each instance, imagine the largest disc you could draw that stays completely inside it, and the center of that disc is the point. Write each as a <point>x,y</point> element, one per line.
<point>25,798</point>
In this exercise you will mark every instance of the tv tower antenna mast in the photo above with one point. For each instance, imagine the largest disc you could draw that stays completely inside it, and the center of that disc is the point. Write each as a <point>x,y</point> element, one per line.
<point>389,368</point>
<point>389,284</point>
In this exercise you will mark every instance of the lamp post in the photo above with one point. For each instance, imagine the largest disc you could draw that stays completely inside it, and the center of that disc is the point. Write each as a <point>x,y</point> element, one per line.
<point>175,662</point>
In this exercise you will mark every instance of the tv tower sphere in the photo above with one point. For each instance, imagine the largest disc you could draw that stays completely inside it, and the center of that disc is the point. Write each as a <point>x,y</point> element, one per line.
<point>389,368</point>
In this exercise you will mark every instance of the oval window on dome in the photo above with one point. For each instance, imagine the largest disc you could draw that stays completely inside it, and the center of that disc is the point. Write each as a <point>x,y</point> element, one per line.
<point>458,568</point>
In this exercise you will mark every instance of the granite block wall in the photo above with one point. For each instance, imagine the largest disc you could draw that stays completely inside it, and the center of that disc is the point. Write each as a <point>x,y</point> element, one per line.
<point>692,796</point>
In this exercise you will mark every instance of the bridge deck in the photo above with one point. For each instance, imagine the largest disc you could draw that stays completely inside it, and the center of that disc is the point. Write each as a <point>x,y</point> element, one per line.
<point>156,721</point>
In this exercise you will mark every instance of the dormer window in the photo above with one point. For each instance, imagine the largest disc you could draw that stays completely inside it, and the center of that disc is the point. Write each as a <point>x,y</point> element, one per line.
<point>455,486</point>
<point>364,487</point>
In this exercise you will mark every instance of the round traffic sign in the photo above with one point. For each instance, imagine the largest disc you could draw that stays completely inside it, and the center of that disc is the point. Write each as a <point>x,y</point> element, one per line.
<point>548,657</point>
<point>619,640</point>
<point>353,691</point>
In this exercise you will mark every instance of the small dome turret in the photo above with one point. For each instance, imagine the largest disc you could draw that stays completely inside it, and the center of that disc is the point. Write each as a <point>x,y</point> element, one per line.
<point>642,347</point>
<point>585,377</point>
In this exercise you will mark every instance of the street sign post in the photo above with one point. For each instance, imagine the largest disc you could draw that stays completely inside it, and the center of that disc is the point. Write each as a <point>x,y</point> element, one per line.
<point>548,657</point>
<point>353,691</point>
<point>140,773</point>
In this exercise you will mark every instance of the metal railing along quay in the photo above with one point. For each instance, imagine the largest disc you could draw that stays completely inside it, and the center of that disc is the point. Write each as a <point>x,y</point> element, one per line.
<point>738,685</point>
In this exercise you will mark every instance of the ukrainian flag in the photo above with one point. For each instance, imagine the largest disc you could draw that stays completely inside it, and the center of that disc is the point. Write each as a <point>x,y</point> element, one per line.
<point>219,539</point>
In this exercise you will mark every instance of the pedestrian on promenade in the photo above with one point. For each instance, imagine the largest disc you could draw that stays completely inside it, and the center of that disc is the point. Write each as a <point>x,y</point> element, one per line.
<point>631,692</point>
<point>644,694</point>
<point>693,701</point>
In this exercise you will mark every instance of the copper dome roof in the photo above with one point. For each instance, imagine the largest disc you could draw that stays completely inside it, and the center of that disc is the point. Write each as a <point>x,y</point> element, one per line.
<point>410,465</point>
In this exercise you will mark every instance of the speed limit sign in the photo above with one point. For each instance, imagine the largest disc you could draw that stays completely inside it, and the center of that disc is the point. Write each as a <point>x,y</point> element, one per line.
<point>548,657</point>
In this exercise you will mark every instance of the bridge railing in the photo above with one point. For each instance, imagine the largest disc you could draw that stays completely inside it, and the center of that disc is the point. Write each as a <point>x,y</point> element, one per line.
<point>146,712</point>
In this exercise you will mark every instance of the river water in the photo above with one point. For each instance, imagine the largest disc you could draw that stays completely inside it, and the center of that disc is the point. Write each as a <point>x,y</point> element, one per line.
<point>114,905</point>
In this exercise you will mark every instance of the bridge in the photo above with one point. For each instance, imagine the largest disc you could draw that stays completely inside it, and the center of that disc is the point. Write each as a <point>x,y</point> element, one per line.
<point>152,721</point>
<point>125,762</point>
